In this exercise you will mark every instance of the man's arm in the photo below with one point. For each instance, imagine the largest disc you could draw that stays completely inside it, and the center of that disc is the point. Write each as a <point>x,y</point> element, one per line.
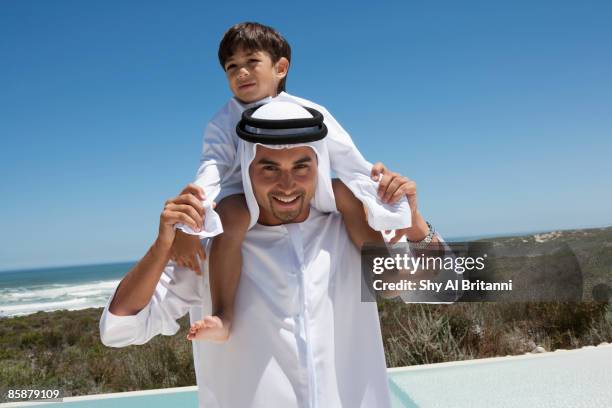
<point>392,188</point>
<point>154,294</point>
<point>137,287</point>
<point>358,228</point>
<point>354,216</point>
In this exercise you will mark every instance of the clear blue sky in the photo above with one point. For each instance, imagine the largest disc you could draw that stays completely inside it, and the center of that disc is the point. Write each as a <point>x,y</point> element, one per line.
<point>501,111</point>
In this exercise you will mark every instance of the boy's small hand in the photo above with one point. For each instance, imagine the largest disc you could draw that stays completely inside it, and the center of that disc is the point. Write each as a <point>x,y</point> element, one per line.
<point>185,251</point>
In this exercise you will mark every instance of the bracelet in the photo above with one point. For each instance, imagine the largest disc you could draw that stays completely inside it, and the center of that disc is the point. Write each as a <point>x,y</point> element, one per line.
<point>425,241</point>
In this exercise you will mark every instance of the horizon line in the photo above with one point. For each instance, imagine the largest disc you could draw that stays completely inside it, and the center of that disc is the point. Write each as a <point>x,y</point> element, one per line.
<point>450,238</point>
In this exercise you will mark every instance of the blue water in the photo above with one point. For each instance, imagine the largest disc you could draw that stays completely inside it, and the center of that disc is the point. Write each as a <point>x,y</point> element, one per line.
<point>174,399</point>
<point>46,289</point>
<point>178,399</point>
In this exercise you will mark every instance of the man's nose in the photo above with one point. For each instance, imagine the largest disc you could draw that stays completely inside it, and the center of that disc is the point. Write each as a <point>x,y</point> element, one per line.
<point>286,180</point>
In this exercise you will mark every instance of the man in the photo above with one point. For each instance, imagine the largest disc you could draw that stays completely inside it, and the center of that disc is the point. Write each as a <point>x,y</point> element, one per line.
<point>301,336</point>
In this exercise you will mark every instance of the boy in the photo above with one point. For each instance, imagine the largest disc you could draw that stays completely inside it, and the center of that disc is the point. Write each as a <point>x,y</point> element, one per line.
<point>256,59</point>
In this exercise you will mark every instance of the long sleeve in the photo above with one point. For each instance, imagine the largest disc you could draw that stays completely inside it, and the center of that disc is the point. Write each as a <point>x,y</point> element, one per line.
<point>177,290</point>
<point>218,173</point>
<point>218,166</point>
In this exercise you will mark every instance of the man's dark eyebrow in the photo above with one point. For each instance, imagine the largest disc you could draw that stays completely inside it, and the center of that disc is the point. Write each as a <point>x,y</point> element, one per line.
<point>268,162</point>
<point>304,159</point>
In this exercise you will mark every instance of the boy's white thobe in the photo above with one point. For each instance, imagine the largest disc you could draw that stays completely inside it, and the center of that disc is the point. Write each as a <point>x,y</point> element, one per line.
<point>219,171</point>
<point>301,336</point>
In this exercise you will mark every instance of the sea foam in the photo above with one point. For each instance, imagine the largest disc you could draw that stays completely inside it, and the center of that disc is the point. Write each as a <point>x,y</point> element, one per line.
<point>26,300</point>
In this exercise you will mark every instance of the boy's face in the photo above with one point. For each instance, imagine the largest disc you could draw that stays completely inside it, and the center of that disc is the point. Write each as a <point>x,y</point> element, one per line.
<point>252,75</point>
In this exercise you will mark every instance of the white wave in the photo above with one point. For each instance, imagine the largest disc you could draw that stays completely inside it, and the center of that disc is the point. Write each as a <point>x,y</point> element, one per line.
<point>27,300</point>
<point>28,308</point>
<point>55,291</point>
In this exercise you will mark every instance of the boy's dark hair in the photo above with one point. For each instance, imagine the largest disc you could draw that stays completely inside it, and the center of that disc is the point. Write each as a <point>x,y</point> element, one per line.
<point>254,37</point>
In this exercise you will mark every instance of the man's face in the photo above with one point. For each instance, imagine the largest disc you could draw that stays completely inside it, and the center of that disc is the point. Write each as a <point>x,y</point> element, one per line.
<point>252,75</point>
<point>284,182</point>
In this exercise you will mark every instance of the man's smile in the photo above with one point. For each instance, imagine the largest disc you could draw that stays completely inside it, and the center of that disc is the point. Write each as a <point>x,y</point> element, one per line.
<point>286,200</point>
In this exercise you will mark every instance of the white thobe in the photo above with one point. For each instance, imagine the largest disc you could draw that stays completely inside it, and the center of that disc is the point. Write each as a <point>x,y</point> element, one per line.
<point>219,170</point>
<point>301,336</point>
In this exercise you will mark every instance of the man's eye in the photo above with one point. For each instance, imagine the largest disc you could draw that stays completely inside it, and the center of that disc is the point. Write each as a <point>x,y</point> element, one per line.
<point>302,169</point>
<point>269,168</point>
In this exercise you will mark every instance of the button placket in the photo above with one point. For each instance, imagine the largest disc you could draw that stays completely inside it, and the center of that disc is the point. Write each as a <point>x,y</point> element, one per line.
<point>296,238</point>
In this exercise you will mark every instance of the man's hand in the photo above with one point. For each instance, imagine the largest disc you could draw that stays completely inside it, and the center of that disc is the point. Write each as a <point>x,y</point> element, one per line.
<point>391,188</point>
<point>186,208</point>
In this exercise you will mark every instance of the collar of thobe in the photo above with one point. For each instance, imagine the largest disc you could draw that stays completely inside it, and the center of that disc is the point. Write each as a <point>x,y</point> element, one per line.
<point>259,102</point>
<point>284,228</point>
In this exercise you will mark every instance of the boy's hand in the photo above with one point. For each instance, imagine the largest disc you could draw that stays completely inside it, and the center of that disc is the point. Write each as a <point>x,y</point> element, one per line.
<point>185,251</point>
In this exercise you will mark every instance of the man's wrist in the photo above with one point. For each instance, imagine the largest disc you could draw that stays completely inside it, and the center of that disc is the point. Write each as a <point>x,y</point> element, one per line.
<point>161,247</point>
<point>419,229</point>
<point>423,243</point>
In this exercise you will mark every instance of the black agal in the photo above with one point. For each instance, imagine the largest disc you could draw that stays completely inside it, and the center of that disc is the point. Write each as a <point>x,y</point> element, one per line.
<point>282,131</point>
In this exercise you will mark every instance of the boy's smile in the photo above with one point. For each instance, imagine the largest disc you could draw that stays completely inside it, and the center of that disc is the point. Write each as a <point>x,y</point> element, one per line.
<point>252,75</point>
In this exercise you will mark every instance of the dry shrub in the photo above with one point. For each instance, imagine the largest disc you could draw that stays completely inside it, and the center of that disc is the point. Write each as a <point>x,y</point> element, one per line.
<point>421,333</point>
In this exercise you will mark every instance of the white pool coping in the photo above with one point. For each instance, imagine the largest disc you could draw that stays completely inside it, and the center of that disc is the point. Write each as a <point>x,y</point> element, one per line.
<point>194,388</point>
<point>526,356</point>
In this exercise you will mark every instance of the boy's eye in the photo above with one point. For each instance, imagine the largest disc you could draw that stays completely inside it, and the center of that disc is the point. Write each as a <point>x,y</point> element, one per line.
<point>253,60</point>
<point>230,66</point>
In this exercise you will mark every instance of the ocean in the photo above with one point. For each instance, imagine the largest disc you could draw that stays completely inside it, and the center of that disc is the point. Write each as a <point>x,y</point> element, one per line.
<point>46,289</point>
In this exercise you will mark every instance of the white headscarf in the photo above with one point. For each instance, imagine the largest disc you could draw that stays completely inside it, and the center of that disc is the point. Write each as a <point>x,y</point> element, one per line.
<point>323,199</point>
